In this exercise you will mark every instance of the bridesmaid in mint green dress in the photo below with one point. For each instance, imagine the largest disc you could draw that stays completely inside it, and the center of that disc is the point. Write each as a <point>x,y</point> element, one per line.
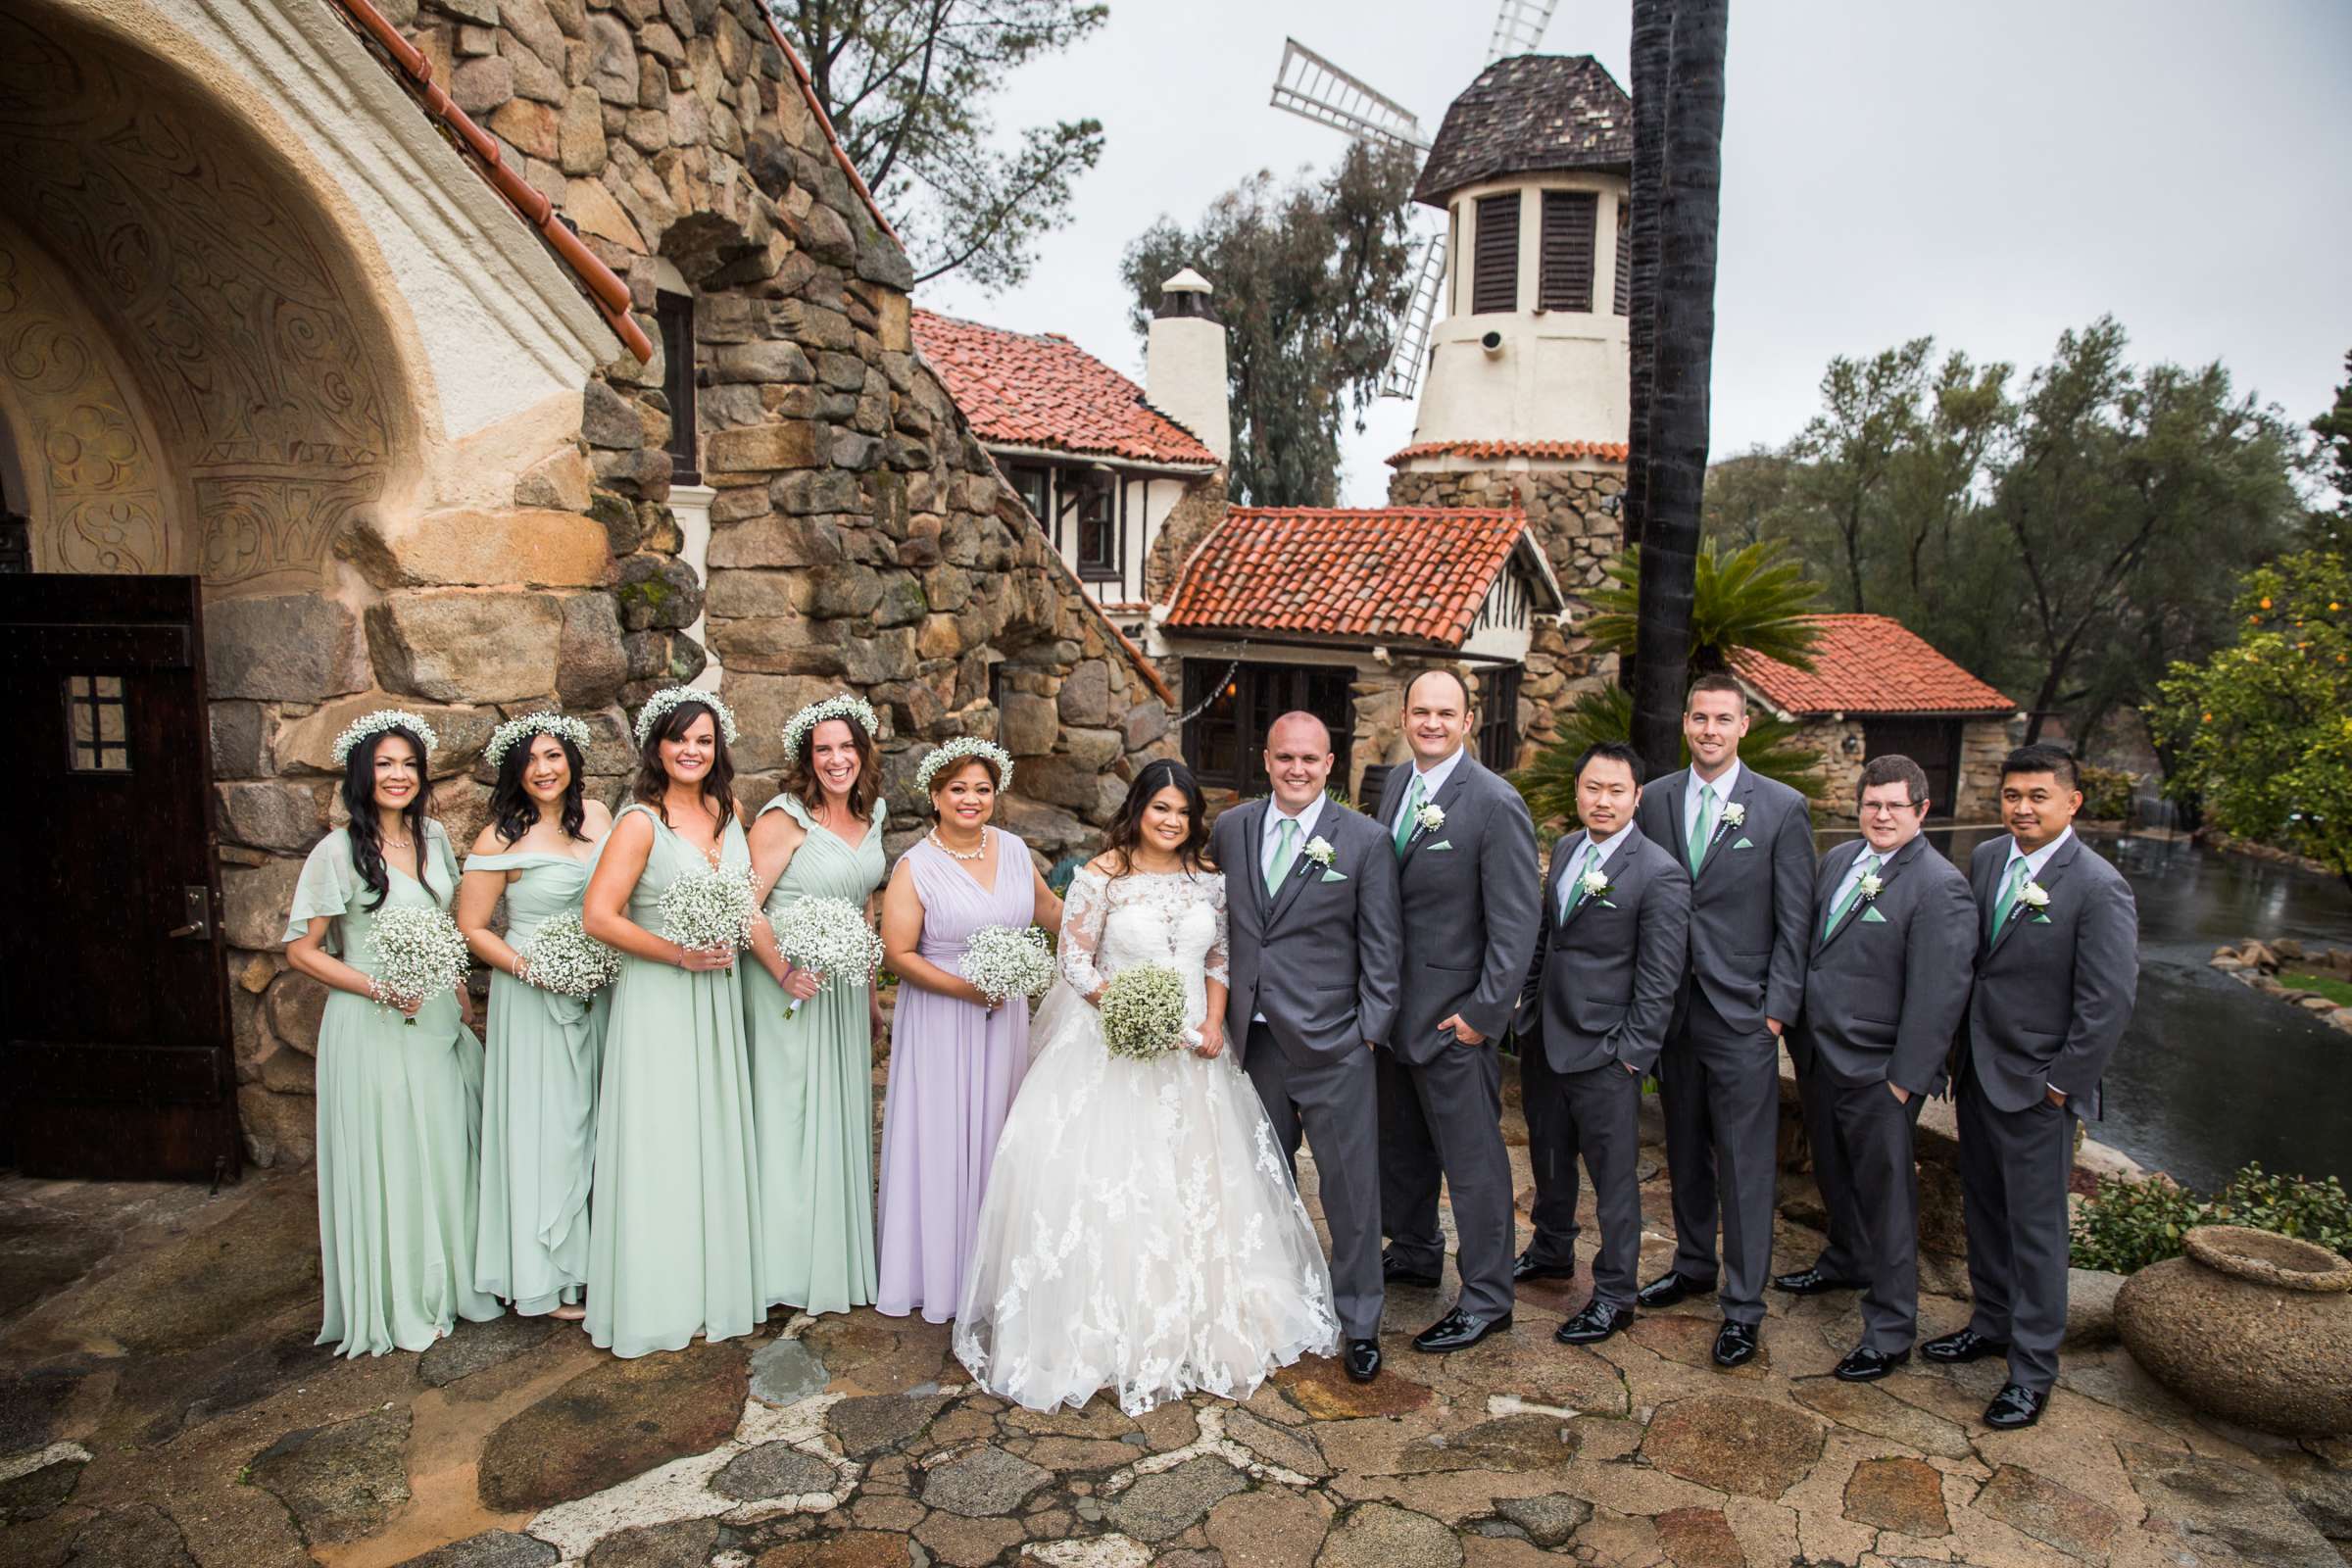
<point>813,1074</point>
<point>674,1233</point>
<point>398,1107</point>
<point>539,1094</point>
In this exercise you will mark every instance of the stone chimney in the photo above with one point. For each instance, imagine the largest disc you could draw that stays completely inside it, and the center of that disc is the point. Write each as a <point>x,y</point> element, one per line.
<point>1183,363</point>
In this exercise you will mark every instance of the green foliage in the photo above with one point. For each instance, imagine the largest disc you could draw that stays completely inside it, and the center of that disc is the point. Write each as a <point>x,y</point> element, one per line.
<point>911,85</point>
<point>2331,529</point>
<point>1548,782</point>
<point>1311,282</point>
<point>2106,792</point>
<point>2336,991</point>
<point>2261,731</point>
<point>1751,599</point>
<point>2127,1225</point>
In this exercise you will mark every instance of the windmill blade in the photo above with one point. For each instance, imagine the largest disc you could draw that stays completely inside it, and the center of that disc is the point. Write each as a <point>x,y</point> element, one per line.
<point>1402,377</point>
<point>1519,27</point>
<point>1314,88</point>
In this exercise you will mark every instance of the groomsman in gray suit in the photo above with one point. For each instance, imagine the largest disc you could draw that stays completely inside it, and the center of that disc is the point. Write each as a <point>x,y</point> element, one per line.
<point>1748,843</point>
<point>1592,1019</point>
<point>1893,941</point>
<point>1310,909</point>
<point>2057,970</point>
<point>1468,874</point>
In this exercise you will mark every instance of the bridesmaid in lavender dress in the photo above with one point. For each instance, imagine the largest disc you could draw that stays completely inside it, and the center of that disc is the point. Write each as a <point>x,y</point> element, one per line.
<point>954,1062</point>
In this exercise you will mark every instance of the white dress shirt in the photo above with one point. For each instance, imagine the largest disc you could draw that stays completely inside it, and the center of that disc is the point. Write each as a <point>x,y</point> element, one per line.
<point>1853,873</point>
<point>1578,866</point>
<point>1275,816</point>
<point>2034,862</point>
<point>1433,778</point>
<point>1722,786</point>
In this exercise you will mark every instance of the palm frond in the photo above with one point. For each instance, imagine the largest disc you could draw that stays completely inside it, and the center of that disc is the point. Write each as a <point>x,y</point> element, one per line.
<point>1547,783</point>
<point>1752,598</point>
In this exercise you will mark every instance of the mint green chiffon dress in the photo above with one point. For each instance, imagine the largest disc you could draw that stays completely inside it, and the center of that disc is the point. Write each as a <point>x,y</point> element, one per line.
<point>538,1104</point>
<point>813,1087</point>
<point>399,1114</point>
<point>673,1216</point>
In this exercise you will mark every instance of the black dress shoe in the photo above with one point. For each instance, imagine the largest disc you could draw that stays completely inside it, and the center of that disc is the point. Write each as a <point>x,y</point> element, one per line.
<point>1458,1329</point>
<point>1395,1271</point>
<point>1668,1288</point>
<point>1953,1349</point>
<point>1862,1364</point>
<point>1594,1324</point>
<point>1362,1358</point>
<point>1735,1343</point>
<point>2013,1407</point>
<point>1812,1282</point>
<point>1525,1268</point>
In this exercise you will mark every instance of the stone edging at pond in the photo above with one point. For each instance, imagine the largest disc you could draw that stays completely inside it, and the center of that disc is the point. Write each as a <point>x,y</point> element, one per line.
<point>2257,964</point>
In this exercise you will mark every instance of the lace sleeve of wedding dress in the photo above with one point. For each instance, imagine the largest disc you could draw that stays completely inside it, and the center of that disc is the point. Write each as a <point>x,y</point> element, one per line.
<point>1083,916</point>
<point>1219,951</point>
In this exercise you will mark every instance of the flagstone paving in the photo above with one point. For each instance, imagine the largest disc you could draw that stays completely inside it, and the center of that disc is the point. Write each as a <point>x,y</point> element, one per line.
<point>160,1404</point>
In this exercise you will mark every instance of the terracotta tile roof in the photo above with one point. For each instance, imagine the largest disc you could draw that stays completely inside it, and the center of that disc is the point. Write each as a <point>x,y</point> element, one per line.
<point>1527,112</point>
<point>1557,451</point>
<point>1870,664</point>
<point>1380,574</point>
<point>1019,389</point>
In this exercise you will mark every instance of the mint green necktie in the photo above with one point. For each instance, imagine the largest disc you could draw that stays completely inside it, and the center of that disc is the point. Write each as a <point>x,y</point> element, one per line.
<point>1286,848</point>
<point>2009,890</point>
<point>1404,818</point>
<point>1870,863</point>
<point>1576,883</point>
<point>1705,828</point>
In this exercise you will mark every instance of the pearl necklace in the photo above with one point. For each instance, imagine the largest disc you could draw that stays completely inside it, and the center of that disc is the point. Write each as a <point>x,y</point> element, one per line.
<point>958,854</point>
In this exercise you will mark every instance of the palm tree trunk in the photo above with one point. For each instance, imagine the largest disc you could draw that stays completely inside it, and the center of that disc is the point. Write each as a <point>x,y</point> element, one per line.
<point>1654,35</point>
<point>1676,467</point>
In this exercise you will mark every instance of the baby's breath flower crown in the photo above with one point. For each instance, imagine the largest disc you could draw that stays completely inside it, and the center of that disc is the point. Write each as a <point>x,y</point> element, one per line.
<point>514,731</point>
<point>962,749</point>
<point>382,721</point>
<point>669,697</point>
<point>856,710</point>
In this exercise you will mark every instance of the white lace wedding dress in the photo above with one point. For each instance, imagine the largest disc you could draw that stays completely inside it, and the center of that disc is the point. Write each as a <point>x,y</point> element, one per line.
<point>1141,1231</point>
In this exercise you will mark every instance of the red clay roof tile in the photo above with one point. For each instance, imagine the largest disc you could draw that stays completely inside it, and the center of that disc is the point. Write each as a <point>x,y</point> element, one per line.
<point>1020,389</point>
<point>1870,664</point>
<point>1557,451</point>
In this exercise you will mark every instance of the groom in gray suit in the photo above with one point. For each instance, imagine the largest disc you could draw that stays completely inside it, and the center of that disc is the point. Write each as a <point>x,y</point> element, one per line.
<point>1893,939</point>
<point>1748,843</point>
<point>2057,970</point>
<point>1467,870</point>
<point>1310,906</point>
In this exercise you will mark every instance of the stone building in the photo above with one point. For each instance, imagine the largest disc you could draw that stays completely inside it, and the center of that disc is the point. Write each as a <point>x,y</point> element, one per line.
<point>467,355</point>
<point>1877,687</point>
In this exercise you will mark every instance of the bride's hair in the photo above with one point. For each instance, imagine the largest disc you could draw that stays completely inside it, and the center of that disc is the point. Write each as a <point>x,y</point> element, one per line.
<point>1127,833</point>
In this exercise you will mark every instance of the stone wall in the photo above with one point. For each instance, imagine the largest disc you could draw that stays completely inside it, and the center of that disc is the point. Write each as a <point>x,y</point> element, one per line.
<point>1565,507</point>
<point>1189,521</point>
<point>1984,742</point>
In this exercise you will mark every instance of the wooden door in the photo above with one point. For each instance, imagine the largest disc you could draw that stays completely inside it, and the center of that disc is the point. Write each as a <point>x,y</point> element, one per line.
<point>114,1053</point>
<point>1932,743</point>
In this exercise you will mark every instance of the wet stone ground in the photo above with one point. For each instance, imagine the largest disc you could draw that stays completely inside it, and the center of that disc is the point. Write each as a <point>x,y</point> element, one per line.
<point>161,1406</point>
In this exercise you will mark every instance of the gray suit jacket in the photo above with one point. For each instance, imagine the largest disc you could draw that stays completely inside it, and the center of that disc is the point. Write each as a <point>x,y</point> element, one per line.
<point>1887,987</point>
<point>1602,984</point>
<point>2054,987</point>
<point>1319,955</point>
<point>1751,900</point>
<point>1471,898</point>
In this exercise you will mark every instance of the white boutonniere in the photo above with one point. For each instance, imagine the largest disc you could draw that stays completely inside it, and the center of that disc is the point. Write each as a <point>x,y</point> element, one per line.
<point>1318,850</point>
<point>1734,815</point>
<point>1871,885</point>
<point>2033,896</point>
<point>1431,817</point>
<point>1597,884</point>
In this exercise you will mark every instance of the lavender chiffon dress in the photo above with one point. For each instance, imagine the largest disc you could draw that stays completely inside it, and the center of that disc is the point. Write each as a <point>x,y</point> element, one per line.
<point>954,1070</point>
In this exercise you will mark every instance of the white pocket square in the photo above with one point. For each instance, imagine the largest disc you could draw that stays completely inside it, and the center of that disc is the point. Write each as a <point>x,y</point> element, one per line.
<point>1442,844</point>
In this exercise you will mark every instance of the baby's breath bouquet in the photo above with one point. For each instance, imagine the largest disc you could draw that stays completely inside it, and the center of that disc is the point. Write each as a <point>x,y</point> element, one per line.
<point>829,938</point>
<point>1142,1011</point>
<point>711,909</point>
<point>564,957</point>
<point>418,953</point>
<point>1004,961</point>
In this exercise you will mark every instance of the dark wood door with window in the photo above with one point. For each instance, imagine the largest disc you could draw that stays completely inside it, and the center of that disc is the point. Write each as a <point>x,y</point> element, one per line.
<point>115,1057</point>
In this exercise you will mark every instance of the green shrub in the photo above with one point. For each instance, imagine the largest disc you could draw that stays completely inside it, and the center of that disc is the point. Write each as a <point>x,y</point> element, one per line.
<point>2106,792</point>
<point>2127,1225</point>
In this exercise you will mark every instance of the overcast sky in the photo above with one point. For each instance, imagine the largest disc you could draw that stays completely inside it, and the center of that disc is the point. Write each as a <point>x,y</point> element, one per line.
<point>1986,174</point>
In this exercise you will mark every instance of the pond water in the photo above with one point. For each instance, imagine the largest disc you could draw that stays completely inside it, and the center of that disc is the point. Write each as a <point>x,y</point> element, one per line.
<point>2211,1075</point>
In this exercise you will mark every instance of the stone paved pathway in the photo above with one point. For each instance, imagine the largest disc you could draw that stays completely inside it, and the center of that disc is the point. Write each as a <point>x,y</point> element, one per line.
<point>161,1405</point>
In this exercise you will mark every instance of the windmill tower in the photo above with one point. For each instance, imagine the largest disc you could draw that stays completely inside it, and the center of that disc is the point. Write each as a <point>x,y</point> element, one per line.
<point>1515,339</point>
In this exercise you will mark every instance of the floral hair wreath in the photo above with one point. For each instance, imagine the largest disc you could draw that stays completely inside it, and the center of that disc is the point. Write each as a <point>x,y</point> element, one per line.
<point>561,725</point>
<point>844,706</point>
<point>957,751</point>
<point>382,722</point>
<point>669,697</point>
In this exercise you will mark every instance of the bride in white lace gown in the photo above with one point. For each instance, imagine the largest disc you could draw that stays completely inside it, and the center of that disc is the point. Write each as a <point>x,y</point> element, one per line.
<point>1141,1231</point>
